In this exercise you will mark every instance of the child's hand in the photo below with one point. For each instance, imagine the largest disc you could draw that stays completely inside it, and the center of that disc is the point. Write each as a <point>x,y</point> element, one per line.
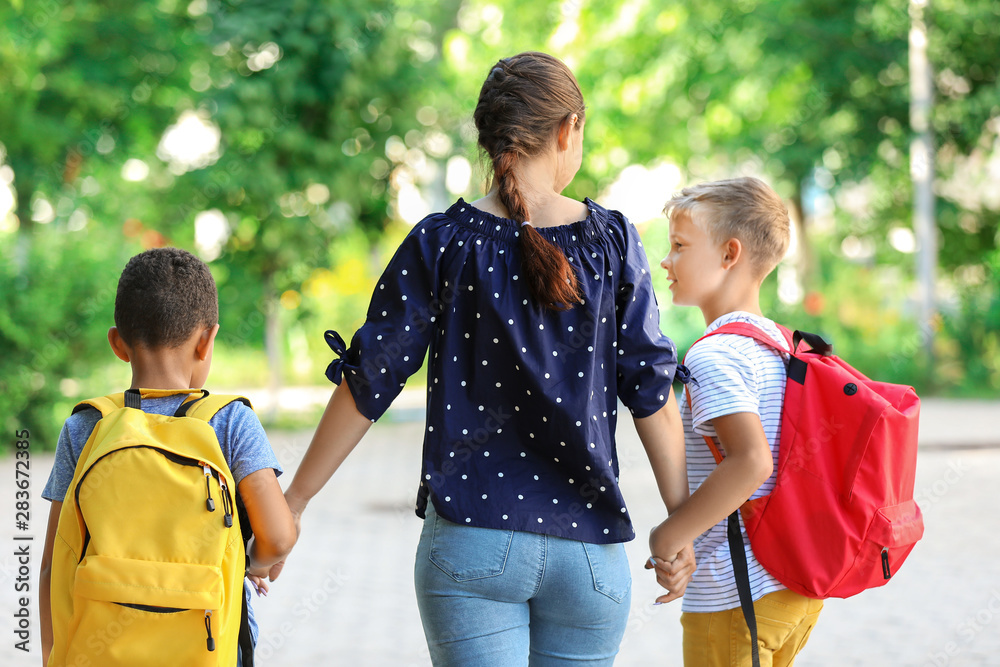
<point>660,543</point>
<point>296,506</point>
<point>259,584</point>
<point>276,570</point>
<point>673,573</point>
<point>255,572</point>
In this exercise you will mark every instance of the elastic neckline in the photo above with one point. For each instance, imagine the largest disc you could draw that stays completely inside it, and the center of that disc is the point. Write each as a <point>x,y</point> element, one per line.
<point>576,233</point>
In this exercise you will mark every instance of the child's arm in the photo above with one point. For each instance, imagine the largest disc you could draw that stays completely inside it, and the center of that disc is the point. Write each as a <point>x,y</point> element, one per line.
<point>747,465</point>
<point>274,532</point>
<point>45,581</point>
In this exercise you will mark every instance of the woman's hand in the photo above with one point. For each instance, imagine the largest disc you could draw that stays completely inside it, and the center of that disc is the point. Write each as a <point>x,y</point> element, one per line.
<point>674,569</point>
<point>259,584</point>
<point>673,573</point>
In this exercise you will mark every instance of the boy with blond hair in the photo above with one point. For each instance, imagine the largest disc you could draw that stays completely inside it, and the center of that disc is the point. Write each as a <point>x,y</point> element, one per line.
<point>725,238</point>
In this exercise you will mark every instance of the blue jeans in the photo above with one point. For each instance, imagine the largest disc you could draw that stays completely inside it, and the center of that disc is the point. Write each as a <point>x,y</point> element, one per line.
<point>502,598</point>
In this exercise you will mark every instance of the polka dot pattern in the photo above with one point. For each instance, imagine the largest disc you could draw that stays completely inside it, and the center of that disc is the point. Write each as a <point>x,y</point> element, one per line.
<point>521,401</point>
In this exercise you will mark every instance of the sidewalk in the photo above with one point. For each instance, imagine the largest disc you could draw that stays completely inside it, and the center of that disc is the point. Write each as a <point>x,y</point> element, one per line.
<point>947,422</point>
<point>347,598</point>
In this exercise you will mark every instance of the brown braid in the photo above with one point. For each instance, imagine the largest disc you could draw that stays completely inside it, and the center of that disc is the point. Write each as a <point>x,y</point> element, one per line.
<point>522,104</point>
<point>550,278</point>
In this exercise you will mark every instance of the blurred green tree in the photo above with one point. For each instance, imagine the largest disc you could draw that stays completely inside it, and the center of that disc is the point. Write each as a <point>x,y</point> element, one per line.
<point>310,98</point>
<point>87,86</point>
<point>312,119</point>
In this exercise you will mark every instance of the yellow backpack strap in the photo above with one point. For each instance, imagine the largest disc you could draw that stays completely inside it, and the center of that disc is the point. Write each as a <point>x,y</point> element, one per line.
<point>103,404</point>
<point>207,405</point>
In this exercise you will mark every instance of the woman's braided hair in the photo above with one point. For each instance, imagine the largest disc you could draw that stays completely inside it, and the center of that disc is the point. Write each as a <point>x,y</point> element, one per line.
<point>522,104</point>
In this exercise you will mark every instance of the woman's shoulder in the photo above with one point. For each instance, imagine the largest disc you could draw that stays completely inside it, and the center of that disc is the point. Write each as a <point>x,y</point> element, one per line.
<point>608,215</point>
<point>434,222</point>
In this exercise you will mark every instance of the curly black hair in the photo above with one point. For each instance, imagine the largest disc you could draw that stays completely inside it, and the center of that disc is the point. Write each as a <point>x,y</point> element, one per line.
<point>164,295</point>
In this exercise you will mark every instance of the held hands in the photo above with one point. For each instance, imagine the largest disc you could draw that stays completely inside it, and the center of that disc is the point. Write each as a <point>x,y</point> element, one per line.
<point>296,508</point>
<point>674,571</point>
<point>673,574</point>
<point>255,573</point>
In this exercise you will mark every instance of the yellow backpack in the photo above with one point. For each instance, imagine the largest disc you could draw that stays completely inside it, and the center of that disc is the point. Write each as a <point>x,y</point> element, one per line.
<point>149,556</point>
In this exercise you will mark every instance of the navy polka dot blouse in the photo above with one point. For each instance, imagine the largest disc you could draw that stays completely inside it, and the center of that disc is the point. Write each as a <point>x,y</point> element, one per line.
<point>521,402</point>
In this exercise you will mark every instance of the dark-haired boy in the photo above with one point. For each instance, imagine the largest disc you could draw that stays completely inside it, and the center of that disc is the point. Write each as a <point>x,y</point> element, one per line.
<point>166,321</point>
<point>725,238</point>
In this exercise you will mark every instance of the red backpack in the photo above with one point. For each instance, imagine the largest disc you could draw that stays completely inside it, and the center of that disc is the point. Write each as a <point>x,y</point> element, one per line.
<point>841,517</point>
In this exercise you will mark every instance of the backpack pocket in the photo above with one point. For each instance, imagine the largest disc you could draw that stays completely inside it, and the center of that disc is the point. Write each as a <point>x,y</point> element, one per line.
<point>131,612</point>
<point>892,534</point>
<point>149,583</point>
<point>894,531</point>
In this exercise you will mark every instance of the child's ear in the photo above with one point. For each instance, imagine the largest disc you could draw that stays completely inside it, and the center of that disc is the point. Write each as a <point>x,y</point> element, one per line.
<point>205,342</point>
<point>732,251</point>
<point>118,345</point>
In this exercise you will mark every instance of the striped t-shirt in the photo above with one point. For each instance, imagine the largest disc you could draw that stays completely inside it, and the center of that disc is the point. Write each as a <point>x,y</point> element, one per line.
<point>730,374</point>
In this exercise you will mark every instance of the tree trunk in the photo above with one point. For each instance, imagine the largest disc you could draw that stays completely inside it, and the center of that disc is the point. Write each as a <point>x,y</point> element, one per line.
<point>805,262</point>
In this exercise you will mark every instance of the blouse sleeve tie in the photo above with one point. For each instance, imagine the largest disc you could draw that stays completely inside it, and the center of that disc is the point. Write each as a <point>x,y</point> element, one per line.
<point>683,375</point>
<point>335,371</point>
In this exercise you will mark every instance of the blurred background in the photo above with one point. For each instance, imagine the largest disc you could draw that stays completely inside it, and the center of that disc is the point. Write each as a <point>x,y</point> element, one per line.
<point>292,145</point>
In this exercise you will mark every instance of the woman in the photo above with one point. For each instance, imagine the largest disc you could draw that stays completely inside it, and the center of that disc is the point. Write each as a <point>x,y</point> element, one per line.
<point>535,330</point>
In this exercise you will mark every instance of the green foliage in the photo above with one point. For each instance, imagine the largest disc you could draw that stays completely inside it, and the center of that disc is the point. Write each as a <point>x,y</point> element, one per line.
<point>328,109</point>
<point>306,96</point>
<point>89,85</point>
<point>974,333</point>
<point>57,293</point>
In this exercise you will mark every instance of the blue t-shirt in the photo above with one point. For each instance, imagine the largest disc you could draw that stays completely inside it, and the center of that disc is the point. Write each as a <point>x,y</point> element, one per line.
<point>241,436</point>
<point>521,401</point>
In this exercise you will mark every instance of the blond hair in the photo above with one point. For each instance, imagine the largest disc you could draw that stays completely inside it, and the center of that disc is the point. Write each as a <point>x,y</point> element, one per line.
<point>742,208</point>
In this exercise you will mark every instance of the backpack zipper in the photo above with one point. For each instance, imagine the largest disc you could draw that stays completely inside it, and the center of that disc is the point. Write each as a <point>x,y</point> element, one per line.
<point>886,572</point>
<point>208,628</point>
<point>227,503</point>
<point>176,458</point>
<point>209,503</point>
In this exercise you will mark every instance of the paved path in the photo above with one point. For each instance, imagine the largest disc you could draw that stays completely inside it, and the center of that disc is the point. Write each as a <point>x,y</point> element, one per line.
<point>347,598</point>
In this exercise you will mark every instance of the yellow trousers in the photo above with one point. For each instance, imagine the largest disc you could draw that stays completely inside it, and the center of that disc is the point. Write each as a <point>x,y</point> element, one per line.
<point>721,639</point>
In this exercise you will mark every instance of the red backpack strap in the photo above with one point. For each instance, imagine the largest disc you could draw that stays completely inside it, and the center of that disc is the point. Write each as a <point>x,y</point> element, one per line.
<point>708,441</point>
<point>755,332</point>
<point>739,329</point>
